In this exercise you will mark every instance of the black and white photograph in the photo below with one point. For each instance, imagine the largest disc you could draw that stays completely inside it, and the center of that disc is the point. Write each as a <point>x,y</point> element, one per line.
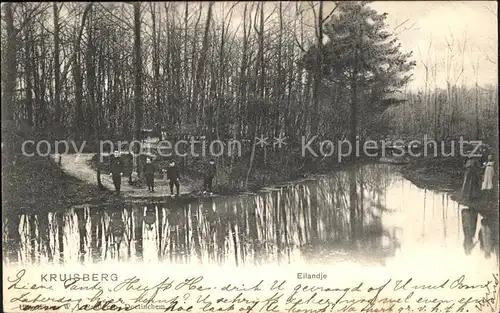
<point>250,156</point>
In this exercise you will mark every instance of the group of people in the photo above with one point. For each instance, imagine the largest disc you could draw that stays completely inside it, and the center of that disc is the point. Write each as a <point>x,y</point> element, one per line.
<point>171,173</point>
<point>473,186</point>
<point>478,187</point>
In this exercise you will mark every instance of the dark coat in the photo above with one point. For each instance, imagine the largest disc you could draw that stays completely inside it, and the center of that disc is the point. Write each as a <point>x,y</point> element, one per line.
<point>211,170</point>
<point>173,173</point>
<point>471,187</point>
<point>116,165</point>
<point>149,169</point>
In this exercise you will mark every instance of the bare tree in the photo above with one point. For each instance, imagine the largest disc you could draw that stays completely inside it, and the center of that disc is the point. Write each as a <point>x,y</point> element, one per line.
<point>138,79</point>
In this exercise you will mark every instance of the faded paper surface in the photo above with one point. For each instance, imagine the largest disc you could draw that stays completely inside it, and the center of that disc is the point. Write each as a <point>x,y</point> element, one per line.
<point>289,247</point>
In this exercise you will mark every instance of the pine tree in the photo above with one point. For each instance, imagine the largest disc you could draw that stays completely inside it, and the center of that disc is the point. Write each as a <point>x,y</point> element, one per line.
<point>362,56</point>
<point>360,43</point>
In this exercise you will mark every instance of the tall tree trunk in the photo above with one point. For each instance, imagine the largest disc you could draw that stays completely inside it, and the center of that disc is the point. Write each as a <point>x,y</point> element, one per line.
<point>193,101</point>
<point>353,197</point>
<point>353,134</point>
<point>241,98</point>
<point>200,79</point>
<point>187,89</point>
<point>156,66</point>
<point>91,91</point>
<point>138,79</point>
<point>9,67</point>
<point>254,122</point>
<point>476,103</point>
<point>40,86</point>
<point>28,75</point>
<point>77,75</point>
<point>167,72</point>
<point>57,71</point>
<point>317,71</point>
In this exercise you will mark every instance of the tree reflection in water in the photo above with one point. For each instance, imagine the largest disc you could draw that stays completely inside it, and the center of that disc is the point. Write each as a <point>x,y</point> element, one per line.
<point>487,236</point>
<point>338,217</point>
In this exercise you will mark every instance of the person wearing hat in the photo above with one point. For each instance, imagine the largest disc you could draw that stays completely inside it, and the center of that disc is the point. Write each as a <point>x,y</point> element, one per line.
<point>210,172</point>
<point>116,169</point>
<point>173,177</point>
<point>149,173</point>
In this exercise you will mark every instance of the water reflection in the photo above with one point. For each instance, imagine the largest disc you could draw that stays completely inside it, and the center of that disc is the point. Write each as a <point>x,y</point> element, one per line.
<point>487,237</point>
<point>469,224</point>
<point>367,214</point>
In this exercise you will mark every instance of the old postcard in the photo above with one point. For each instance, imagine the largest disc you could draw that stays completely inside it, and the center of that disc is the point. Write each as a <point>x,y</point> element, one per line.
<point>250,156</point>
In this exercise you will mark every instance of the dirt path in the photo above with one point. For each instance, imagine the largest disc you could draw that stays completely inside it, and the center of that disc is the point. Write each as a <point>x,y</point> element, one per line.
<point>77,165</point>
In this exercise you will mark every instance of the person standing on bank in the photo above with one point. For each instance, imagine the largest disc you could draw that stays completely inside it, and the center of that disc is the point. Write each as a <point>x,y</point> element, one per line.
<point>116,169</point>
<point>472,180</point>
<point>488,174</point>
<point>173,177</point>
<point>210,172</point>
<point>149,173</point>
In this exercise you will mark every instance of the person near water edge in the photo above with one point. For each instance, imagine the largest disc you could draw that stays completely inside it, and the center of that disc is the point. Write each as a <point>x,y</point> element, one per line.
<point>208,178</point>
<point>149,172</point>
<point>116,170</point>
<point>173,177</point>
<point>472,180</point>
<point>489,172</point>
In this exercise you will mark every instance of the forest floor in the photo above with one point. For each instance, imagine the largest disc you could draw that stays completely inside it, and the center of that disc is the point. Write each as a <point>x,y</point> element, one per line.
<point>445,174</point>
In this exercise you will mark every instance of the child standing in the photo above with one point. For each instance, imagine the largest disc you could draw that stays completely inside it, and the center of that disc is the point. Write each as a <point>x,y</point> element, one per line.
<point>488,174</point>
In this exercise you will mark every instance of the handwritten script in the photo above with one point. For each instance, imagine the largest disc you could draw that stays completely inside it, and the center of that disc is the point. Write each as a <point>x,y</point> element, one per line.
<point>197,294</point>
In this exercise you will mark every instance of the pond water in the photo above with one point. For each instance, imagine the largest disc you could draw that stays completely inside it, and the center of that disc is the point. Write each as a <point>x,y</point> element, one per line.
<point>367,215</point>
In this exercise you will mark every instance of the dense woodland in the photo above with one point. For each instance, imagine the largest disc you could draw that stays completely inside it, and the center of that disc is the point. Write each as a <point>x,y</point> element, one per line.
<point>97,71</point>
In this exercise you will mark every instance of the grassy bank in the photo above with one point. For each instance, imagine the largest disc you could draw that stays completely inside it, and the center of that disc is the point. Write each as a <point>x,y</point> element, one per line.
<point>35,183</point>
<point>436,173</point>
<point>38,182</point>
<point>447,174</point>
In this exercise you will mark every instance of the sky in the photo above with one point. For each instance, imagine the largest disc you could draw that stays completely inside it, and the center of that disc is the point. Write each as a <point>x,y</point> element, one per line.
<point>437,23</point>
<point>430,26</point>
